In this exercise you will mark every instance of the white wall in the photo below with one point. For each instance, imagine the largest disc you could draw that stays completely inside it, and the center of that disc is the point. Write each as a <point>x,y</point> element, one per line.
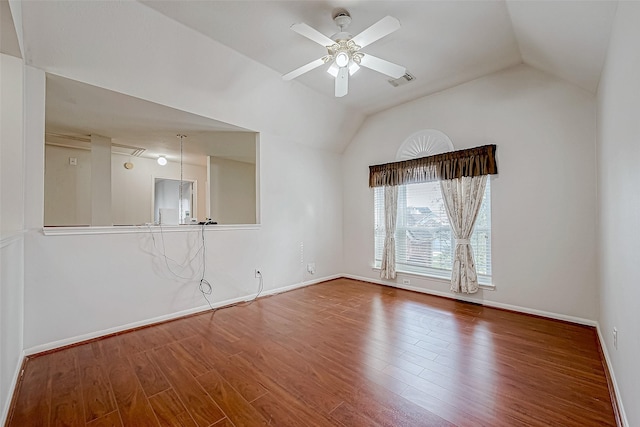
<point>232,191</point>
<point>619,203</point>
<point>132,188</point>
<point>67,188</point>
<point>11,184</point>
<point>543,200</point>
<point>11,226</point>
<point>82,285</point>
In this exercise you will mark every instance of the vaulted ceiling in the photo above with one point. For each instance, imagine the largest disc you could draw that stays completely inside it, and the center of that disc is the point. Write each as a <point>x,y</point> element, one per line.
<point>442,43</point>
<point>8,36</point>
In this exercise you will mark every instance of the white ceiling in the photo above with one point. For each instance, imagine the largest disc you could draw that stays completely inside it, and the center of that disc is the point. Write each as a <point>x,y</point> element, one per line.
<point>567,39</point>
<point>8,37</point>
<point>442,43</point>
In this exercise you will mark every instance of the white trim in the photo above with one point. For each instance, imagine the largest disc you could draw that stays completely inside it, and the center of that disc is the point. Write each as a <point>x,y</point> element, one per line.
<point>609,366</point>
<point>12,389</point>
<point>126,229</point>
<point>11,238</point>
<point>443,279</point>
<point>300,285</point>
<point>548,314</point>
<point>79,338</point>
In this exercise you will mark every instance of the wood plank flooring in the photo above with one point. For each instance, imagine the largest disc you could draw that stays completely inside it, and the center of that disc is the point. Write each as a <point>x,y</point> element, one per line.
<point>340,353</point>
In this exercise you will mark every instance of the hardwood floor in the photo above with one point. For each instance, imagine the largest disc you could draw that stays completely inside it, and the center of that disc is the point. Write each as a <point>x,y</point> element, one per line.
<point>340,353</point>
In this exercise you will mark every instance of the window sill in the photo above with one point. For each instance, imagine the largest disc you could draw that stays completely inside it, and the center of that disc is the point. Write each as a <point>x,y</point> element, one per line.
<point>127,229</point>
<point>485,286</point>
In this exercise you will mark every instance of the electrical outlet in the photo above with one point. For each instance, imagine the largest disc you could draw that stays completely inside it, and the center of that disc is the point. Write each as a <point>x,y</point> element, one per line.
<point>311,268</point>
<point>615,338</point>
<point>257,273</point>
<point>406,281</point>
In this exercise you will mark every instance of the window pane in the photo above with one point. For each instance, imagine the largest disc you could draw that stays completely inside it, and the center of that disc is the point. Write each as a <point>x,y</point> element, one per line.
<point>379,223</point>
<point>424,240</point>
<point>481,237</point>
<point>423,234</point>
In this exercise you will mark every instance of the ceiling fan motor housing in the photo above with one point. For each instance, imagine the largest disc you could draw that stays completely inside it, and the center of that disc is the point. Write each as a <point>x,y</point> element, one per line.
<point>342,20</point>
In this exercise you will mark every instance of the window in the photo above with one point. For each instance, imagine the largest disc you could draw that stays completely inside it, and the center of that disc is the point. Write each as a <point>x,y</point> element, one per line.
<point>424,240</point>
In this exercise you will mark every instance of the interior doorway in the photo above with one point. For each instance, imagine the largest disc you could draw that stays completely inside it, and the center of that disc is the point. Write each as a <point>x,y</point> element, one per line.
<point>174,201</point>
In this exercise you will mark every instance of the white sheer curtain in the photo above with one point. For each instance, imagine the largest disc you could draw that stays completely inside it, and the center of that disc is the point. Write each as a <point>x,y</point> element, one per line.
<point>388,267</point>
<point>462,200</point>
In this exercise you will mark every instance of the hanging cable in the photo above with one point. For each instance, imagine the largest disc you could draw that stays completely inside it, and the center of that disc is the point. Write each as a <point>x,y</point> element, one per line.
<point>181,265</point>
<point>204,286</point>
<point>166,258</point>
<point>260,288</point>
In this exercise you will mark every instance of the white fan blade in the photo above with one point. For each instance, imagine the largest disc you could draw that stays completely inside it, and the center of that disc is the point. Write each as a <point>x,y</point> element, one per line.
<point>299,71</point>
<point>312,34</point>
<point>383,27</point>
<point>385,67</point>
<point>342,82</point>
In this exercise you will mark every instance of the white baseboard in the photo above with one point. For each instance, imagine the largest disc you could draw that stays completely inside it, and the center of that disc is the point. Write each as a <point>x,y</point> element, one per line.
<point>607,359</point>
<point>14,383</point>
<point>92,335</point>
<point>493,304</point>
<point>301,284</point>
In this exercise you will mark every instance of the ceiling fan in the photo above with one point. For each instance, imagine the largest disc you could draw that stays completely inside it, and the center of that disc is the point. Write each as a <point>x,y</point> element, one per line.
<point>344,50</point>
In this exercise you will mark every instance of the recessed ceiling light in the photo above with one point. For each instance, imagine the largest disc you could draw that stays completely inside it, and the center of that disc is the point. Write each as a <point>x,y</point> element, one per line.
<point>162,160</point>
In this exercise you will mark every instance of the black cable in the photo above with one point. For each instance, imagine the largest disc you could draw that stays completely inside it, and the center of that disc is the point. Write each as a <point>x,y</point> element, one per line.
<point>204,286</point>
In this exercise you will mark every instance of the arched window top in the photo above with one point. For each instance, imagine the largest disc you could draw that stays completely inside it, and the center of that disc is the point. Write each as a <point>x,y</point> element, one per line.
<point>426,142</point>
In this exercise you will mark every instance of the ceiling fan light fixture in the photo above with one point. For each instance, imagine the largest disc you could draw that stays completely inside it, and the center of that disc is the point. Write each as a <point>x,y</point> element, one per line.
<point>342,59</point>
<point>343,50</point>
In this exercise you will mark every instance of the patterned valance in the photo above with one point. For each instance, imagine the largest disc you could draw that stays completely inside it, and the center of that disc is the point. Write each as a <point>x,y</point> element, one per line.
<point>455,164</point>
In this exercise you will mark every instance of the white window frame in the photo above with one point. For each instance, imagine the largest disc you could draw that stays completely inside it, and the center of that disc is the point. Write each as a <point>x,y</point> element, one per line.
<point>407,267</point>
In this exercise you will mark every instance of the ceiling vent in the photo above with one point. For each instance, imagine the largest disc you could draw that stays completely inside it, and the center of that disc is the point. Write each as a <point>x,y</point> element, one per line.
<point>127,150</point>
<point>83,142</point>
<point>407,78</point>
